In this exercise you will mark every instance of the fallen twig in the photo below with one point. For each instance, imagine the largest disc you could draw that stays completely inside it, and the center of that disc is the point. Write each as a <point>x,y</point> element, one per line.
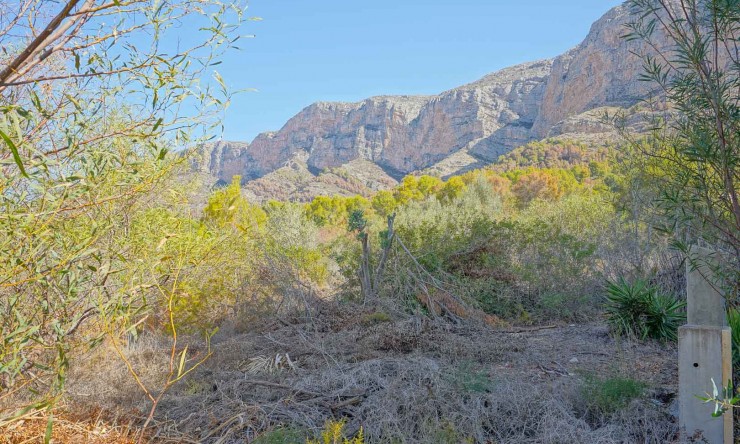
<point>282,386</point>
<point>526,330</point>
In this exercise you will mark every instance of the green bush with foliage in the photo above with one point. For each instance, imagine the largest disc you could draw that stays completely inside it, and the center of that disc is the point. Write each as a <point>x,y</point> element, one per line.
<point>281,436</point>
<point>603,396</point>
<point>733,320</point>
<point>640,310</point>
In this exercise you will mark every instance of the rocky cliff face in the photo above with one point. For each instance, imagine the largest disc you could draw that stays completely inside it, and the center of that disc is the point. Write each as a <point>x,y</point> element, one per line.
<point>601,71</point>
<point>469,125</point>
<point>223,160</point>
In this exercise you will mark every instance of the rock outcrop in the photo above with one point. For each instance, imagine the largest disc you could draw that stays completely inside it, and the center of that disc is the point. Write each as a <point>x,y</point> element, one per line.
<point>222,159</point>
<point>464,127</point>
<point>601,71</point>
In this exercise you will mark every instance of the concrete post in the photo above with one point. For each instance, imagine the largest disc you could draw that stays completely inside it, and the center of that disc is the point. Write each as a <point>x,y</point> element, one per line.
<point>704,353</point>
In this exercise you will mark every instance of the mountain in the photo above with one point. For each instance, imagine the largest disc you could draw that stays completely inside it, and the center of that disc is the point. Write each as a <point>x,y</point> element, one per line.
<point>347,148</point>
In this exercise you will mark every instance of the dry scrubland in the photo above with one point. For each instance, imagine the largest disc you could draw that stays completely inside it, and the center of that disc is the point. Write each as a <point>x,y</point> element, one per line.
<point>536,299</point>
<point>485,318</point>
<point>413,380</point>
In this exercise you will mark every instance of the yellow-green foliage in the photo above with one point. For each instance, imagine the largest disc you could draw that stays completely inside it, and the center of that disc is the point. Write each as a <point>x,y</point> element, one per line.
<point>177,246</point>
<point>551,153</point>
<point>429,185</point>
<point>333,433</point>
<point>408,190</point>
<point>384,203</point>
<point>228,206</point>
<point>545,183</point>
<point>291,236</point>
<point>451,189</point>
<point>335,210</point>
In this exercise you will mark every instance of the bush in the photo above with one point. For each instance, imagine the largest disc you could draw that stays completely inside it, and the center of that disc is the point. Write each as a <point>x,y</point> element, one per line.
<point>333,433</point>
<point>281,436</point>
<point>640,310</point>
<point>602,397</point>
<point>466,378</point>
<point>733,320</point>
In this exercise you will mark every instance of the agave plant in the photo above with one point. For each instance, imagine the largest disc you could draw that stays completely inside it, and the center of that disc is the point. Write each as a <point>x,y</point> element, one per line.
<point>640,310</point>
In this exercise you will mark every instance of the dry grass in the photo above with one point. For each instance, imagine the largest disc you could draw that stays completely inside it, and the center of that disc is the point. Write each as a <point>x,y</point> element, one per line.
<point>69,428</point>
<point>408,379</point>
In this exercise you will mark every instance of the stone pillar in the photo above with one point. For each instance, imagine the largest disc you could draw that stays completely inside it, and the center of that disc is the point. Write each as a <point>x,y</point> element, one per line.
<point>704,353</point>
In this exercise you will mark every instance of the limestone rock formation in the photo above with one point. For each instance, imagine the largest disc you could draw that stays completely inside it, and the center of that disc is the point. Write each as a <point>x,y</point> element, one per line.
<point>221,159</point>
<point>459,129</point>
<point>601,71</point>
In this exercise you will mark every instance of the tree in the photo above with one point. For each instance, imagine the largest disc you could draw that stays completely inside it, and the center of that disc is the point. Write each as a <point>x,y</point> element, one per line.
<point>227,206</point>
<point>408,190</point>
<point>93,96</point>
<point>451,189</point>
<point>384,203</point>
<point>429,185</point>
<point>698,143</point>
<point>537,184</point>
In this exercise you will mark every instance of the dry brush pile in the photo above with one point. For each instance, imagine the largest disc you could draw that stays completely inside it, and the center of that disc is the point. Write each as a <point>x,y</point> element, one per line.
<point>404,379</point>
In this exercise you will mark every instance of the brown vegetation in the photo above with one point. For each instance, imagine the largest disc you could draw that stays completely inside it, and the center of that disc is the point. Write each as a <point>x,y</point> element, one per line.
<point>414,378</point>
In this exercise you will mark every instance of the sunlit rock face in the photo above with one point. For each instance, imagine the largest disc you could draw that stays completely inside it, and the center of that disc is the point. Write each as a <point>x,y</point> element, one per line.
<point>470,125</point>
<point>601,71</point>
<point>408,133</point>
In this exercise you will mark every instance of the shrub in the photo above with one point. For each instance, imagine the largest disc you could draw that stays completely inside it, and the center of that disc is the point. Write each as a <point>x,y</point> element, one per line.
<point>333,433</point>
<point>640,310</point>
<point>566,306</point>
<point>466,378</point>
<point>604,396</point>
<point>492,296</point>
<point>281,436</point>
<point>733,320</point>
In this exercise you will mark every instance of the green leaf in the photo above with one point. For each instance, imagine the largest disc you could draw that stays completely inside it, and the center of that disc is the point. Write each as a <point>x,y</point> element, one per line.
<point>181,367</point>
<point>14,151</point>
<point>49,428</point>
<point>157,124</point>
<point>219,79</point>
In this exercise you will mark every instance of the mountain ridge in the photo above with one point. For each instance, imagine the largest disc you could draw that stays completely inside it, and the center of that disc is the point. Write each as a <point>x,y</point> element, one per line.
<point>455,130</point>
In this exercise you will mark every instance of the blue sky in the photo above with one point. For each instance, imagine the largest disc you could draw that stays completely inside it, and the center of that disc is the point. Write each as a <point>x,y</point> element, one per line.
<point>347,50</point>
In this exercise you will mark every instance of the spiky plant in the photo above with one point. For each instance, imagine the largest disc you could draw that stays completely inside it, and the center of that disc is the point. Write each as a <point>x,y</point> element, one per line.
<point>640,310</point>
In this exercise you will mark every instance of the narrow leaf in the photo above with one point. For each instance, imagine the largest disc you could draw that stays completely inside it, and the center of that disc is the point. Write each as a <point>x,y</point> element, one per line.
<point>181,367</point>
<point>14,151</point>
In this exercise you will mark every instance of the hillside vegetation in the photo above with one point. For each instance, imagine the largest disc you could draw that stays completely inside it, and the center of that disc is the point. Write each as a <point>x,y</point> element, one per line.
<point>535,299</point>
<point>298,297</point>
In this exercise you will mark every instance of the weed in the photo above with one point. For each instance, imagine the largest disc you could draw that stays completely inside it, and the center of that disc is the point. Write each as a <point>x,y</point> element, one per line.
<point>377,317</point>
<point>333,433</point>
<point>603,397</point>
<point>281,436</point>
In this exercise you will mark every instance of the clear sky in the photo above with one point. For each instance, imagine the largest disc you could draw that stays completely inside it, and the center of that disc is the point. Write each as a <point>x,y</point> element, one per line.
<point>347,50</point>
